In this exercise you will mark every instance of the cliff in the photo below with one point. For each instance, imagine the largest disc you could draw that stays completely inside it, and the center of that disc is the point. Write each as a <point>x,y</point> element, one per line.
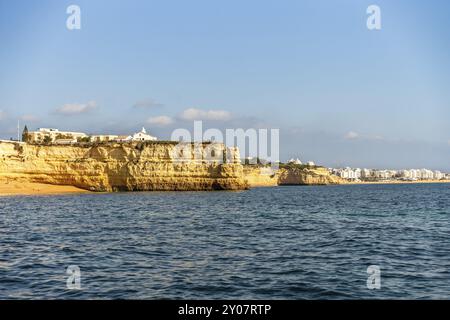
<point>259,176</point>
<point>292,175</point>
<point>120,167</point>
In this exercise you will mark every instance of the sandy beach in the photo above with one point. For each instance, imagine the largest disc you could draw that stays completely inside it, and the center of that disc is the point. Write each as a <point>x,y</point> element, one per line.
<point>9,188</point>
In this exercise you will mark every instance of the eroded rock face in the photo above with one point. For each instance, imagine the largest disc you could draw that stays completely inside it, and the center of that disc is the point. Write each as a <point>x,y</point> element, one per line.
<point>121,167</point>
<point>258,176</point>
<point>307,176</point>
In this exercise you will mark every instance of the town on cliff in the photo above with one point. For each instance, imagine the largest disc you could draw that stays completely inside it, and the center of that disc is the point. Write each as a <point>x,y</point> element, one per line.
<point>57,137</point>
<point>141,162</point>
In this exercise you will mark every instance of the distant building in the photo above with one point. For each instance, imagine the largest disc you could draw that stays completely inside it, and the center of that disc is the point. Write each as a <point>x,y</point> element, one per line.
<point>138,136</point>
<point>143,136</point>
<point>438,175</point>
<point>103,137</point>
<point>348,173</point>
<point>122,138</point>
<point>295,161</point>
<point>50,135</point>
<point>380,175</point>
<point>426,174</point>
<point>366,173</point>
<point>421,174</point>
<point>384,174</point>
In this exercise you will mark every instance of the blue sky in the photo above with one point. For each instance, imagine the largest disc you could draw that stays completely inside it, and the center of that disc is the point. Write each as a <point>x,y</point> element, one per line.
<point>339,93</point>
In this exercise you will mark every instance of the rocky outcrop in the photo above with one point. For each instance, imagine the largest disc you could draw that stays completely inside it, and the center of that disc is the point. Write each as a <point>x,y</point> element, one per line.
<point>260,176</point>
<point>122,167</point>
<point>307,176</point>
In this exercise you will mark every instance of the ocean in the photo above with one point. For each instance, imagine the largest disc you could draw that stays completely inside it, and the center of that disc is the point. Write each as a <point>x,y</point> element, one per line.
<point>292,242</point>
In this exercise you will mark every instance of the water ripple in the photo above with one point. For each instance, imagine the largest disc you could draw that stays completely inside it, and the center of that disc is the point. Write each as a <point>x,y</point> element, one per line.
<point>270,243</point>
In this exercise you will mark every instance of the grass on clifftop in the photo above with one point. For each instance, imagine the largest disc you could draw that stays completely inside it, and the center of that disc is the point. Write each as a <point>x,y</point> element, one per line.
<point>298,166</point>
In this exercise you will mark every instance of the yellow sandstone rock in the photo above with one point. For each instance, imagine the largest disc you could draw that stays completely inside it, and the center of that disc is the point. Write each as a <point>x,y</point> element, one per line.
<point>120,167</point>
<point>307,176</point>
<point>144,166</point>
<point>260,176</point>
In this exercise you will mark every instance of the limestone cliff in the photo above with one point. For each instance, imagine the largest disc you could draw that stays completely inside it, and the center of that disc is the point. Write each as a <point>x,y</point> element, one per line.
<point>121,167</point>
<point>260,176</point>
<point>307,176</point>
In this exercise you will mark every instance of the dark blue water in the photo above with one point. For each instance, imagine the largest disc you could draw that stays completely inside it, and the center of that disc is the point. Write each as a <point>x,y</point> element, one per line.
<point>269,243</point>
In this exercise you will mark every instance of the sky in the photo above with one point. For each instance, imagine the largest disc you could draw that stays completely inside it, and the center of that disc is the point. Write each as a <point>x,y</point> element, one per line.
<point>340,94</point>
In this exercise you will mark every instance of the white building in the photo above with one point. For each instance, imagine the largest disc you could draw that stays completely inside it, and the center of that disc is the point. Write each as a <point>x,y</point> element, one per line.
<point>426,174</point>
<point>366,173</point>
<point>142,136</point>
<point>138,136</point>
<point>295,161</point>
<point>122,138</point>
<point>437,175</point>
<point>378,175</point>
<point>420,174</point>
<point>384,174</point>
<point>349,173</point>
<point>51,135</point>
<point>103,137</point>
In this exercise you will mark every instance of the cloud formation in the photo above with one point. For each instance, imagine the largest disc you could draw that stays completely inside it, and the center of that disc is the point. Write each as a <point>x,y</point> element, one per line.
<point>29,118</point>
<point>147,104</point>
<point>76,108</point>
<point>198,114</point>
<point>160,120</point>
<point>351,135</point>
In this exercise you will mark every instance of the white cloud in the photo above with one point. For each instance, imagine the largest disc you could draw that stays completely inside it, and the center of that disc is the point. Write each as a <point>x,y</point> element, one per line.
<point>351,135</point>
<point>2,114</point>
<point>147,104</point>
<point>76,108</point>
<point>198,114</point>
<point>160,120</point>
<point>29,118</point>
<point>377,137</point>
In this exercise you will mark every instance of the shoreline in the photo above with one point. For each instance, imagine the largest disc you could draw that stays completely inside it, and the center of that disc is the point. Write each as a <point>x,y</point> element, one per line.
<point>14,188</point>
<point>398,182</point>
